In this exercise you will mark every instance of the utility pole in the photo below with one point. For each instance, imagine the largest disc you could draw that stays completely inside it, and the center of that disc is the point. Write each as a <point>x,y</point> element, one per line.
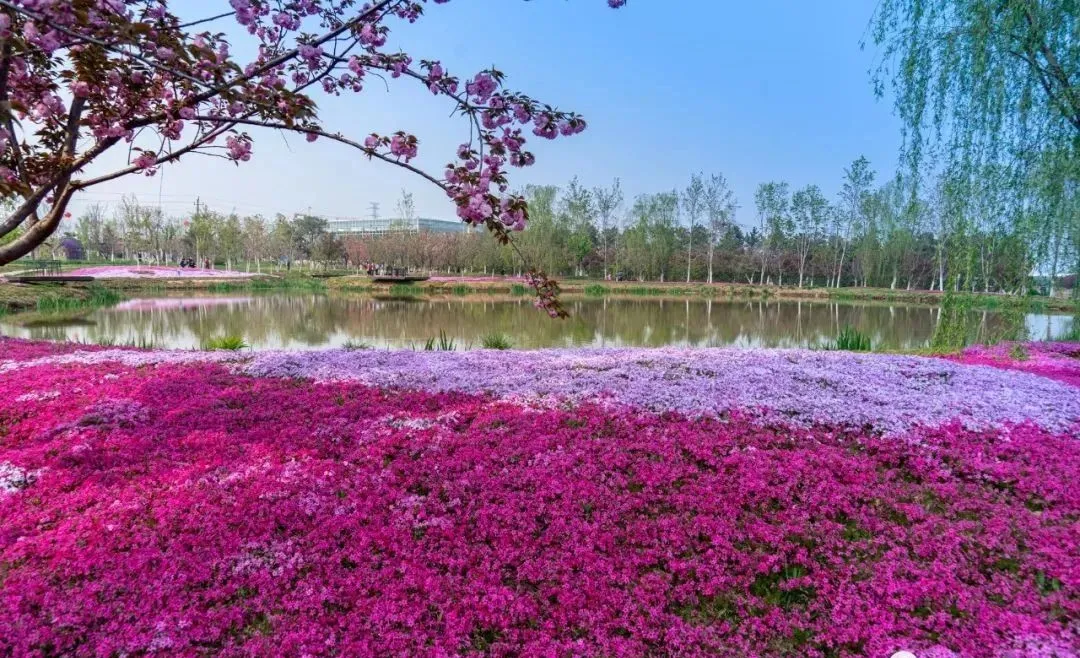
<point>374,210</point>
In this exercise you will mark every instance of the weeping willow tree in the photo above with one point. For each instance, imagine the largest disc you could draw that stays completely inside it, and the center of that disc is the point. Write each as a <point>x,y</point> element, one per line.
<point>989,95</point>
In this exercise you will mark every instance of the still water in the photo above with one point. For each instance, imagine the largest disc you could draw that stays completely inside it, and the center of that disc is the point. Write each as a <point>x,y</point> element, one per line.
<point>313,321</point>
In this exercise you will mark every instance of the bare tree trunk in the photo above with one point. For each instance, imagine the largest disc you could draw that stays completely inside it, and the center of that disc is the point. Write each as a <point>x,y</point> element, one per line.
<point>840,266</point>
<point>689,250</point>
<point>711,250</point>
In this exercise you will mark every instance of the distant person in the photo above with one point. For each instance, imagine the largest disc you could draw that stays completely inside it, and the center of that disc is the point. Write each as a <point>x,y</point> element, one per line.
<point>206,263</point>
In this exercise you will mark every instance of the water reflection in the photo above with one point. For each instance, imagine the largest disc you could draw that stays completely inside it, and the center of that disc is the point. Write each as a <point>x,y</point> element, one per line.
<point>310,321</point>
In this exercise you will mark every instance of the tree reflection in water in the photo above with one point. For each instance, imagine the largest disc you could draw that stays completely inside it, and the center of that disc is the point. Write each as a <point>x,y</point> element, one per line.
<point>310,321</point>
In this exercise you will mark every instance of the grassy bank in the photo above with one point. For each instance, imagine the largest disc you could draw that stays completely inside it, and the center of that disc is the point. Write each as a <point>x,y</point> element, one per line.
<point>37,303</point>
<point>593,288</point>
<point>18,298</point>
<point>21,297</point>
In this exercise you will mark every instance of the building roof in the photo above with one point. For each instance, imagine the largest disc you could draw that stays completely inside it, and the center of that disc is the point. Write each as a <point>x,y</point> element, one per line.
<point>359,226</point>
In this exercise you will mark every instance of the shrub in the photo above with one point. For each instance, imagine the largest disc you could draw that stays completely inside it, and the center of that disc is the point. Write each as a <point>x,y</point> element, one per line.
<point>352,345</point>
<point>518,289</point>
<point>596,290</point>
<point>496,341</point>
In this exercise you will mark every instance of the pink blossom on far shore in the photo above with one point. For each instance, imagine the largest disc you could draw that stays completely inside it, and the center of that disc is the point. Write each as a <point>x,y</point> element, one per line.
<point>156,272</point>
<point>478,279</point>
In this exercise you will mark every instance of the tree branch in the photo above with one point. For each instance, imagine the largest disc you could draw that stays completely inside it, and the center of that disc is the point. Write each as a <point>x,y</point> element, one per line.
<point>270,64</point>
<point>37,233</point>
<point>173,155</point>
<point>30,205</point>
<point>205,20</point>
<point>337,138</point>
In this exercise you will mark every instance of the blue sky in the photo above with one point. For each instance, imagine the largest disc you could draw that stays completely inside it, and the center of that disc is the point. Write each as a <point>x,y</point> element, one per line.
<point>768,90</point>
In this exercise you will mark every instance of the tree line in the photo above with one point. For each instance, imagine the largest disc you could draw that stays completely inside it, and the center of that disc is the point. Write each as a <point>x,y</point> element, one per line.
<point>139,232</point>
<point>954,234</point>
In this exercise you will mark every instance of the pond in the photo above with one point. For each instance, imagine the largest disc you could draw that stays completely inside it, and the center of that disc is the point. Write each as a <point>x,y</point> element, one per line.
<point>313,321</point>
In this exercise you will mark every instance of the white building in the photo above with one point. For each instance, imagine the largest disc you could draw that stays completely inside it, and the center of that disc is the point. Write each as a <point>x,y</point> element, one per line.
<point>345,226</point>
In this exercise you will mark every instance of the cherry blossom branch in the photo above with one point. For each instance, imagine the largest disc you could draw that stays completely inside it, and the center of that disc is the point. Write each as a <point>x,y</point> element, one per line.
<point>205,20</point>
<point>174,155</point>
<point>102,44</point>
<point>337,138</point>
<point>288,55</point>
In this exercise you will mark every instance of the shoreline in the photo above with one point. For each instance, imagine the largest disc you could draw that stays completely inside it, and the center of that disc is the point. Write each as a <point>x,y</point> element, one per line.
<point>19,297</point>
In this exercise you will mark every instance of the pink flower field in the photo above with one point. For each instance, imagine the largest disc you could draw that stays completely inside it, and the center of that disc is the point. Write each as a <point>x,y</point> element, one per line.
<point>478,279</point>
<point>579,503</point>
<point>156,272</point>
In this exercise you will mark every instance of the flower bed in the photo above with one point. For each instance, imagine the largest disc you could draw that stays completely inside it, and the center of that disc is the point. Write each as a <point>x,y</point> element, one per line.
<point>889,393</point>
<point>1060,361</point>
<point>185,503</point>
<point>156,272</point>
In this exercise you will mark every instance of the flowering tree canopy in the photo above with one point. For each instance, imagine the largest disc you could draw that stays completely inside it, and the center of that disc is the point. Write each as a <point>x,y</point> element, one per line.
<point>79,78</point>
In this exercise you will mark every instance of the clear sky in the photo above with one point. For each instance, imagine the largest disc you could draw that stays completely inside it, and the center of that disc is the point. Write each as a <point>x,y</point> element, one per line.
<point>764,90</point>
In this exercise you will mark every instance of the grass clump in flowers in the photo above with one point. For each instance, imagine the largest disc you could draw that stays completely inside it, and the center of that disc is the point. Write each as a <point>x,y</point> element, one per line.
<point>354,345</point>
<point>496,341</point>
<point>231,342</point>
<point>440,343</point>
<point>852,340</point>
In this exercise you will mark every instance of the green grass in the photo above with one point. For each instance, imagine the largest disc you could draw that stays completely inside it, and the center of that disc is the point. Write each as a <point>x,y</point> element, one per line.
<point>352,346</point>
<point>405,290</point>
<point>1073,335</point>
<point>142,342</point>
<point>97,296</point>
<point>460,289</point>
<point>852,340</point>
<point>303,283</point>
<point>996,302</point>
<point>441,344</point>
<point>230,342</point>
<point>646,290</point>
<point>496,341</point>
<point>1019,353</point>
<point>518,289</point>
<point>596,290</point>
